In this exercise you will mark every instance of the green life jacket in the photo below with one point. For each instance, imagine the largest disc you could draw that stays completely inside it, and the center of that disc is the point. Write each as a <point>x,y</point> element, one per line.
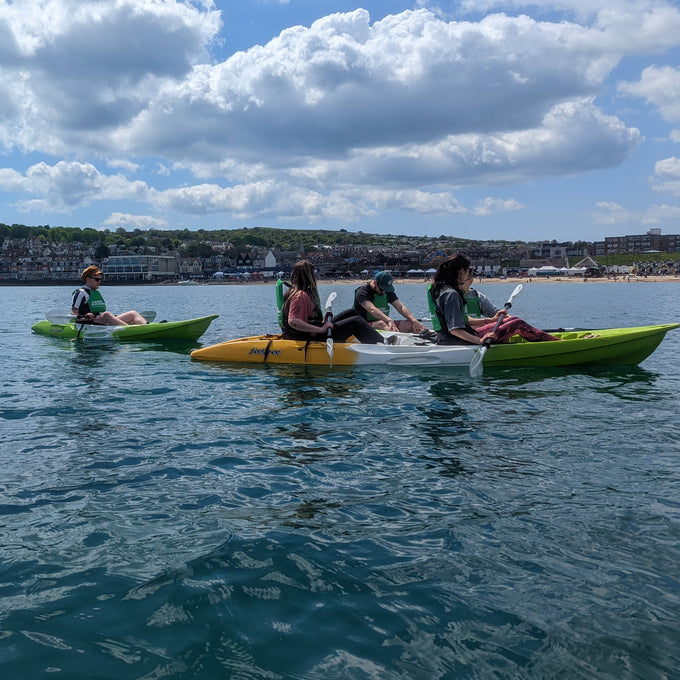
<point>279,301</point>
<point>95,302</point>
<point>471,307</point>
<point>433,309</point>
<point>380,301</point>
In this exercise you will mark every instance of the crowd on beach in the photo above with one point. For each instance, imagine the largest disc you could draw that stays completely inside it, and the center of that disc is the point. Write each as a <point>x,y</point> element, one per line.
<point>612,278</point>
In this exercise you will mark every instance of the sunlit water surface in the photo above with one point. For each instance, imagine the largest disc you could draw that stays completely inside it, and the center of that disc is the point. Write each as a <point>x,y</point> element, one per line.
<point>163,518</point>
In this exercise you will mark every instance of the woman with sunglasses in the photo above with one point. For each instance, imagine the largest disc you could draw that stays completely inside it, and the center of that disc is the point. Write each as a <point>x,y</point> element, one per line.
<point>453,299</point>
<point>89,307</point>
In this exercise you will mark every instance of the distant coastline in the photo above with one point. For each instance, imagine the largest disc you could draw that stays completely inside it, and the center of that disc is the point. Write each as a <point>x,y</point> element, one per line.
<point>356,281</point>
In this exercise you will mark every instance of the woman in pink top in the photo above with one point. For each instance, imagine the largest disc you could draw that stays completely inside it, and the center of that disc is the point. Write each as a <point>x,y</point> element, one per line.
<point>303,318</point>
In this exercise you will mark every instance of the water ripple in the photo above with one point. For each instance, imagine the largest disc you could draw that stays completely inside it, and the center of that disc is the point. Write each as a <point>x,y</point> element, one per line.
<point>164,518</point>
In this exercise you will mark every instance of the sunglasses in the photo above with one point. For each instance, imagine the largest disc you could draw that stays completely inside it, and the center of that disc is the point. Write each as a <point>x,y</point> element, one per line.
<point>95,278</point>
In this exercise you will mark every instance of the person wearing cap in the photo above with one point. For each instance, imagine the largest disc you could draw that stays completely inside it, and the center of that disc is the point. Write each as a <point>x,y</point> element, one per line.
<point>89,307</point>
<point>372,302</point>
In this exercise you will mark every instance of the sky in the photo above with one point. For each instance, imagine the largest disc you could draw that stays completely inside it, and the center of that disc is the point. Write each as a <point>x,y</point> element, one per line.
<point>478,119</point>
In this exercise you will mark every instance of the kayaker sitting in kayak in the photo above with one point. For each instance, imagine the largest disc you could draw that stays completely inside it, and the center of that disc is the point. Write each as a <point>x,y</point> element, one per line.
<point>372,302</point>
<point>450,291</point>
<point>89,307</point>
<point>304,320</point>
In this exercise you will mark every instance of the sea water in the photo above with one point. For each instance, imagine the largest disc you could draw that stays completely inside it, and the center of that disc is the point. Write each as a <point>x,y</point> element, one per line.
<point>164,518</point>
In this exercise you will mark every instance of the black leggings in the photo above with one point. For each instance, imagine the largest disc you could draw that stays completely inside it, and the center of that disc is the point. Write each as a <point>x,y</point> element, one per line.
<point>343,329</point>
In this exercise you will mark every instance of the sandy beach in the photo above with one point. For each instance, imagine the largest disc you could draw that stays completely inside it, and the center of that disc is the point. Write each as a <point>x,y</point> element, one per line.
<point>528,280</point>
<point>399,281</point>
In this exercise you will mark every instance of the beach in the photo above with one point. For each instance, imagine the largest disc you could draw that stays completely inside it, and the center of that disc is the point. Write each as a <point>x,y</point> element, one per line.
<point>525,279</point>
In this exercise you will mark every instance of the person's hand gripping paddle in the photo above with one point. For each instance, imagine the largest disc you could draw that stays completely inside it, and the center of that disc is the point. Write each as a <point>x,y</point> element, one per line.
<point>329,317</point>
<point>476,368</point>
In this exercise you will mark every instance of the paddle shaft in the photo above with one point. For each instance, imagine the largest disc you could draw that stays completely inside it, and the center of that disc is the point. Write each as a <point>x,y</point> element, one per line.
<point>498,323</point>
<point>487,343</point>
<point>476,368</point>
<point>506,306</point>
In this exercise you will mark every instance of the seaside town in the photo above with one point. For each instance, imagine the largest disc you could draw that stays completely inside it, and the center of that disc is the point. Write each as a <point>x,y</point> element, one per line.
<point>58,255</point>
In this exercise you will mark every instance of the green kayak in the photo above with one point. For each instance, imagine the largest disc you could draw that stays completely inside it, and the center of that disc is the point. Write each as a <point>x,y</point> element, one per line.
<point>604,347</point>
<point>189,329</point>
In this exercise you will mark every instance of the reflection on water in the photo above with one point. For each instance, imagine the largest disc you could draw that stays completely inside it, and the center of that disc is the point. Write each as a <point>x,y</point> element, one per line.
<point>526,376</point>
<point>303,385</point>
<point>173,346</point>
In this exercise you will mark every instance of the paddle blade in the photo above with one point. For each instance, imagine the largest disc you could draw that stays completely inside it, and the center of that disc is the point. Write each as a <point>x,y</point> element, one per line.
<point>517,291</point>
<point>329,302</point>
<point>56,316</point>
<point>476,367</point>
<point>329,349</point>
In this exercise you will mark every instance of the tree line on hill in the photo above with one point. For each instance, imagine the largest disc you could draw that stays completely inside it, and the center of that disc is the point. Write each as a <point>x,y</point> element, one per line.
<point>200,242</point>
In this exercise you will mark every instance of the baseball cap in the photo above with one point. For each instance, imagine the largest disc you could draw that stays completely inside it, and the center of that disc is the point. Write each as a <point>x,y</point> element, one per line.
<point>93,270</point>
<point>384,280</point>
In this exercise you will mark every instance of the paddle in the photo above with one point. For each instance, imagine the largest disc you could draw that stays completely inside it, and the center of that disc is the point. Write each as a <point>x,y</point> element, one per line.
<point>476,368</point>
<point>56,316</point>
<point>329,317</point>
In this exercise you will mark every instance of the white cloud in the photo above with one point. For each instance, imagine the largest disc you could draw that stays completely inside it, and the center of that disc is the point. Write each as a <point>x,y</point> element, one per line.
<point>11,180</point>
<point>615,214</point>
<point>489,206</point>
<point>128,221</point>
<point>659,86</point>
<point>345,84</point>
<point>76,70</point>
<point>631,26</point>
<point>122,164</point>
<point>69,184</point>
<point>668,168</point>
<point>667,175</point>
<point>338,120</point>
<point>572,137</point>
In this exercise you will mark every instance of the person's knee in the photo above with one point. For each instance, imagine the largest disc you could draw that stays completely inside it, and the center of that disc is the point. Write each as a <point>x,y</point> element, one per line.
<point>105,319</point>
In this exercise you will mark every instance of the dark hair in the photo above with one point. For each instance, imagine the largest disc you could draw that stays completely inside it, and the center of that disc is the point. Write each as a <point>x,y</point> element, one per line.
<point>302,279</point>
<point>447,274</point>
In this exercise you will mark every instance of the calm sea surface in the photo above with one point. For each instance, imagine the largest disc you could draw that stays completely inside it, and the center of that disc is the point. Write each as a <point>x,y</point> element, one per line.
<point>163,518</point>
